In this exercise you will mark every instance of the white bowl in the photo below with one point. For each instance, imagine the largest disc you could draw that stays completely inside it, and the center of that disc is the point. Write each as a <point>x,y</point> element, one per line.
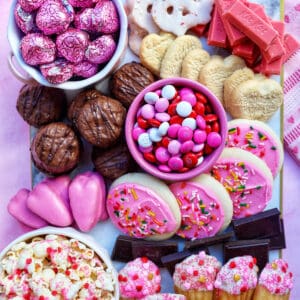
<point>15,35</point>
<point>69,233</point>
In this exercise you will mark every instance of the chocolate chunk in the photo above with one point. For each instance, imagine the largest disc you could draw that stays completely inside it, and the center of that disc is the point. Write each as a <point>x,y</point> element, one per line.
<point>256,248</point>
<point>261,225</point>
<point>205,242</point>
<point>39,105</point>
<point>170,261</point>
<point>278,242</point>
<point>100,121</point>
<point>128,81</point>
<point>122,250</point>
<point>153,250</point>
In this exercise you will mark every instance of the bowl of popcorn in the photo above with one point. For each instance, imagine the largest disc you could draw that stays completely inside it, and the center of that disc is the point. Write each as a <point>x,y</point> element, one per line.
<point>53,263</point>
<point>176,129</point>
<point>68,44</point>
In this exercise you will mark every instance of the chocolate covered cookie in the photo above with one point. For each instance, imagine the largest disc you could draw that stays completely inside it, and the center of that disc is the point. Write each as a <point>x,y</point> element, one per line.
<point>39,105</point>
<point>55,149</point>
<point>128,81</point>
<point>100,121</point>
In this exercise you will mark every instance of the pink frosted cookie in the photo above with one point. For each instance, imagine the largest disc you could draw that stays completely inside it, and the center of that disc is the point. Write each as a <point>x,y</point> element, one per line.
<point>257,138</point>
<point>194,277</point>
<point>139,278</point>
<point>247,179</point>
<point>275,281</point>
<point>205,206</point>
<point>143,207</point>
<point>165,297</point>
<point>237,279</point>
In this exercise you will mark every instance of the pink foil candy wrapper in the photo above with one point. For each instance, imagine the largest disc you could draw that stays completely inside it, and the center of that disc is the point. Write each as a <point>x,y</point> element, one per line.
<point>83,3</point>
<point>101,50</point>
<point>24,20</point>
<point>30,5</point>
<point>58,72</point>
<point>85,20</point>
<point>53,17</point>
<point>37,49</point>
<point>85,69</point>
<point>72,44</point>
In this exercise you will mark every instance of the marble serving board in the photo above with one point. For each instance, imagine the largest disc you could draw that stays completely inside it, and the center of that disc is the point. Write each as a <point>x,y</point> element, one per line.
<point>105,233</point>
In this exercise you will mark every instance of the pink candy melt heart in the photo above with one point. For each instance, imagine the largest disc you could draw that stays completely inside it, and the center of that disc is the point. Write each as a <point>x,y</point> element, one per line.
<point>17,207</point>
<point>87,200</point>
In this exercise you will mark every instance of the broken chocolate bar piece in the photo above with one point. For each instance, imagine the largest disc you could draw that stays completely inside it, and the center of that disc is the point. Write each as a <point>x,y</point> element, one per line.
<point>278,242</point>
<point>153,250</point>
<point>205,242</point>
<point>261,225</point>
<point>256,248</point>
<point>169,261</point>
<point>123,248</point>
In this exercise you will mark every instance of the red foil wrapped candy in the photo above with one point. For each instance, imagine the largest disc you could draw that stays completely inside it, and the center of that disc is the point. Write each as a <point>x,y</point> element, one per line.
<point>30,5</point>
<point>24,20</point>
<point>85,69</point>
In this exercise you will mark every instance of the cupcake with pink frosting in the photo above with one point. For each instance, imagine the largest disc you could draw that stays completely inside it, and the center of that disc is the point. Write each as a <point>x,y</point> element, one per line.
<point>195,276</point>
<point>165,297</point>
<point>237,279</point>
<point>138,279</point>
<point>275,282</point>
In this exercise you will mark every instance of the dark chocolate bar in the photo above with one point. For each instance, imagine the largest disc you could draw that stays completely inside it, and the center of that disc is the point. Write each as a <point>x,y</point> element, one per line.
<point>153,250</point>
<point>123,248</point>
<point>205,242</point>
<point>278,242</point>
<point>256,248</point>
<point>262,225</point>
<point>169,261</point>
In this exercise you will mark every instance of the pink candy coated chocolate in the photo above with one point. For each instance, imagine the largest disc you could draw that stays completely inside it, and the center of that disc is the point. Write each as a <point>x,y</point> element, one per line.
<point>57,72</point>
<point>17,207</point>
<point>30,5</point>
<point>72,44</point>
<point>85,69</point>
<point>101,50</point>
<point>53,17</point>
<point>37,49</point>
<point>48,200</point>
<point>83,3</point>
<point>87,199</point>
<point>24,20</point>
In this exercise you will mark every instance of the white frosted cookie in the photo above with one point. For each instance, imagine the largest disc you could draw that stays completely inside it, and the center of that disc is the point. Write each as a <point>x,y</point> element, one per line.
<point>193,63</point>
<point>177,16</point>
<point>136,36</point>
<point>143,207</point>
<point>172,62</point>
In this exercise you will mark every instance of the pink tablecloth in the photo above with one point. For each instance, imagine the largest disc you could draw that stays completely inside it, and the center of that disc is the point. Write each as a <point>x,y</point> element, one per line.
<point>15,166</point>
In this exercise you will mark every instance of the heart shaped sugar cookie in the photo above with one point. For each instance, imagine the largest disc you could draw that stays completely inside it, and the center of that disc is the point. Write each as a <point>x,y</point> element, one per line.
<point>256,99</point>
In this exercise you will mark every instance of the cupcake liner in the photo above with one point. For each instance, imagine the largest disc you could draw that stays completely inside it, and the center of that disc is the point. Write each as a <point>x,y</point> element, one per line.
<point>223,295</point>
<point>262,293</point>
<point>194,294</point>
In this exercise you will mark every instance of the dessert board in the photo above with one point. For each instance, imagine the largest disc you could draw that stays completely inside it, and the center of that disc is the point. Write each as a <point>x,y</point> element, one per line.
<point>105,233</point>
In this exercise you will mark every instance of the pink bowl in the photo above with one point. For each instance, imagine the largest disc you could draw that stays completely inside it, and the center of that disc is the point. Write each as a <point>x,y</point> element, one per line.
<point>209,160</point>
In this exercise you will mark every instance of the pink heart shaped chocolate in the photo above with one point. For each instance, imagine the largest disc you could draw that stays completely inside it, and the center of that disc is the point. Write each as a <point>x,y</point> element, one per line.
<point>87,199</point>
<point>49,200</point>
<point>17,207</point>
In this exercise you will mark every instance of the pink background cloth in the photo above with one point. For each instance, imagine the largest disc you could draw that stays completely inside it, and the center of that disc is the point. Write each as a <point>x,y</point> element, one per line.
<point>15,162</point>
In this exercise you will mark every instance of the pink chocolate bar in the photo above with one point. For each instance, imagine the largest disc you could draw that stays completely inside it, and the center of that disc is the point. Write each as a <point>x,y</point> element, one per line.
<point>291,45</point>
<point>259,31</point>
<point>247,49</point>
<point>198,29</point>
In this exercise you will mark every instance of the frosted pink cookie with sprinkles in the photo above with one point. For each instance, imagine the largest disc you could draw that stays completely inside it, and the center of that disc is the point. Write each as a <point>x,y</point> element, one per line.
<point>257,138</point>
<point>139,278</point>
<point>195,276</point>
<point>205,206</point>
<point>237,279</point>
<point>275,281</point>
<point>247,179</point>
<point>143,207</point>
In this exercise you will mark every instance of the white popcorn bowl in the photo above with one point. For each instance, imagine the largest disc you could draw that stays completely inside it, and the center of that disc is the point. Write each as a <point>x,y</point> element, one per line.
<point>14,35</point>
<point>69,232</point>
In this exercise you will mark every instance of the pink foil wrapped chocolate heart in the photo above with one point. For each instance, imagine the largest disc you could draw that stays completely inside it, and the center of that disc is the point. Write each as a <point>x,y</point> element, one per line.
<point>24,20</point>
<point>30,5</point>
<point>86,20</point>
<point>17,207</point>
<point>53,17</point>
<point>87,199</point>
<point>37,49</point>
<point>83,3</point>
<point>101,50</point>
<point>49,200</point>
<point>72,44</point>
<point>85,69</point>
<point>58,71</point>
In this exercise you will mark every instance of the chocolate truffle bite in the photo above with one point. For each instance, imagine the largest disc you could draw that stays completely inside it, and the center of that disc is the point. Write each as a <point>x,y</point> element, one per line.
<point>55,149</point>
<point>100,121</point>
<point>128,81</point>
<point>39,105</point>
